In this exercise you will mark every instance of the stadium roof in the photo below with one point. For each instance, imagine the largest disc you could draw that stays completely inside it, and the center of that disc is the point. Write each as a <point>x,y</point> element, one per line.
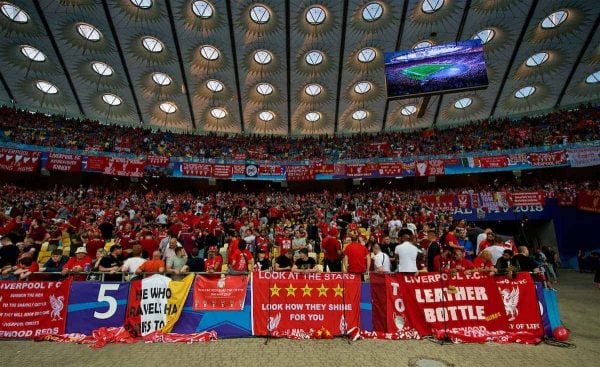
<point>287,67</point>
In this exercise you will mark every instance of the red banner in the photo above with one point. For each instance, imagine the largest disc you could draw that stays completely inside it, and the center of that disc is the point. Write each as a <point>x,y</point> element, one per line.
<point>434,167</point>
<point>548,158</point>
<point>95,163</point>
<point>464,307</point>
<point>220,294</point>
<point>493,162</point>
<point>299,173</point>
<point>391,169</point>
<point>296,305</point>
<point>517,158</point>
<point>325,168</point>
<point>360,169</point>
<point>222,171</point>
<point>526,198</point>
<point>589,201</point>
<point>155,160</point>
<point>270,170</point>
<point>238,169</point>
<point>465,303</point>
<point>64,162</point>
<point>33,309</point>
<point>124,167</point>
<point>463,200</point>
<point>438,201</point>
<point>197,169</point>
<point>16,160</point>
<point>520,304</point>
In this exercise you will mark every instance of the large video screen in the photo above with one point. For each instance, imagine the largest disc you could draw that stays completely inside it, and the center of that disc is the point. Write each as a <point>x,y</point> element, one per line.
<point>440,68</point>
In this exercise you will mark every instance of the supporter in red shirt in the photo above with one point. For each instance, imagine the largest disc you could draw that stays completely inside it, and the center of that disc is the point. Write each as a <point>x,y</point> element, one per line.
<point>94,243</point>
<point>483,263</point>
<point>79,263</point>
<point>242,260</point>
<point>356,257</point>
<point>214,262</point>
<point>332,248</point>
<point>149,244</point>
<point>488,242</point>
<point>460,264</point>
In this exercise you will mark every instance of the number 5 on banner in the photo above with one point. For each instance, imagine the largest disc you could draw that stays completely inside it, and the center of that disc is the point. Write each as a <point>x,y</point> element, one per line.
<point>112,302</point>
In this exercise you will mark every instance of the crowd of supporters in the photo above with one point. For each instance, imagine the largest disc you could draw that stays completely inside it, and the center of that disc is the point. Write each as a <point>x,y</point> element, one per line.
<point>177,232</point>
<point>56,131</point>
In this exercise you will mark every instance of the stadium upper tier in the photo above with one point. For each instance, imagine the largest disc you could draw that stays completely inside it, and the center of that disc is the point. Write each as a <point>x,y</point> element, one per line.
<point>55,131</point>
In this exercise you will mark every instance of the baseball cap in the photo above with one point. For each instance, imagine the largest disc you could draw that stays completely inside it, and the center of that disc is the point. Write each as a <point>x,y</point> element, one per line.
<point>81,250</point>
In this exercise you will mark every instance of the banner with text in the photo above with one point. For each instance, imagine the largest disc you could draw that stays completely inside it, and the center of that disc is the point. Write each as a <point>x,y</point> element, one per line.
<point>299,305</point>
<point>93,305</point>
<point>32,309</point>
<point>589,201</point>
<point>520,304</point>
<point>155,303</point>
<point>64,162</point>
<point>225,293</point>
<point>16,160</point>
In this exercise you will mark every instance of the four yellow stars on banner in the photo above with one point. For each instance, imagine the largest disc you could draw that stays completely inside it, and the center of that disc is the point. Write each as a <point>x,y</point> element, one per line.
<point>307,291</point>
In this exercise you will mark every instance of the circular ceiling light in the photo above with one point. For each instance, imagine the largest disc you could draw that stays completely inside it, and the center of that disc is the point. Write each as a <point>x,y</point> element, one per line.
<point>315,15</point>
<point>111,99</point>
<point>593,78</point>
<point>89,32</point>
<point>161,79</point>
<point>142,4</point>
<point>209,52</point>
<point>537,59</point>
<point>313,89</point>
<point>46,87</point>
<point>214,85</point>
<point>422,44</point>
<point>202,9</point>
<point>218,112</point>
<point>359,115</point>
<point>314,57</point>
<point>264,89</point>
<point>408,110</point>
<point>463,103</point>
<point>555,19</point>
<point>485,35</point>
<point>33,53</point>
<point>367,54</point>
<point>266,116</point>
<point>372,12</point>
<point>14,13</point>
<point>263,57</point>
<point>525,92</point>
<point>312,116</point>
<point>362,87</point>
<point>152,44</point>
<point>431,6</point>
<point>259,14</point>
<point>101,68</point>
<point>168,107</point>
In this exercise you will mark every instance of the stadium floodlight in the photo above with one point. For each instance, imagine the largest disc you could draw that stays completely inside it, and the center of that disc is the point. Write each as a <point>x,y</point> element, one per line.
<point>263,57</point>
<point>314,57</point>
<point>362,87</point>
<point>142,4</point>
<point>161,79</point>
<point>214,85</point>
<point>202,9</point>
<point>463,103</point>
<point>264,89</point>
<point>359,115</point>
<point>111,99</point>
<point>259,14</point>
<point>89,32</point>
<point>46,87</point>
<point>537,59</point>
<point>102,68</point>
<point>218,112</point>
<point>431,6</point>
<point>313,89</point>
<point>366,54</point>
<point>593,78</point>
<point>168,107</point>
<point>408,110</point>
<point>313,116</point>
<point>152,44</point>
<point>266,116</point>
<point>554,20</point>
<point>33,53</point>
<point>525,92</point>
<point>14,13</point>
<point>315,15</point>
<point>209,52</point>
<point>372,11</point>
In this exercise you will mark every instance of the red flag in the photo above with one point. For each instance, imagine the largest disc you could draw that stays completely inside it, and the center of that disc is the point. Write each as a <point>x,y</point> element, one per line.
<point>220,294</point>
<point>296,305</point>
<point>520,304</point>
<point>64,162</point>
<point>17,160</point>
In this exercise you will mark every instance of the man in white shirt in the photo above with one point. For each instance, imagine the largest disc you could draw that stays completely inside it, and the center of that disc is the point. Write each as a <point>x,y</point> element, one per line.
<point>406,253</point>
<point>381,261</point>
<point>132,263</point>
